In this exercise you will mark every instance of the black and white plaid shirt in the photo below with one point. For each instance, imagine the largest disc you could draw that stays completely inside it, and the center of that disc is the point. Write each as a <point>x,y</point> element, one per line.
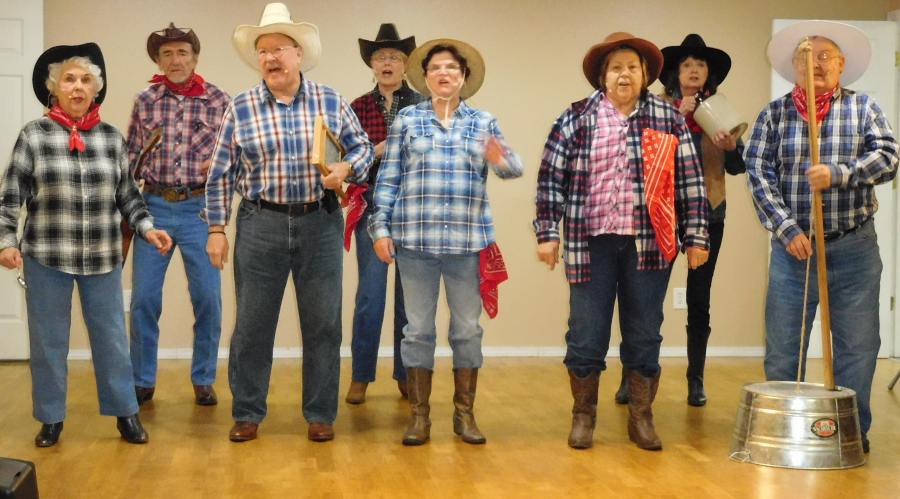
<point>75,200</point>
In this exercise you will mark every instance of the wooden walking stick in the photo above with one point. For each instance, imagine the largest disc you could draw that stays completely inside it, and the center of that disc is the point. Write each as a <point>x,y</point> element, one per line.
<point>827,359</point>
<point>127,231</point>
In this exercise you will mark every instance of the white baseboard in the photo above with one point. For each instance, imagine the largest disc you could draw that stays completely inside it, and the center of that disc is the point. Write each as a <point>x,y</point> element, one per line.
<point>296,353</point>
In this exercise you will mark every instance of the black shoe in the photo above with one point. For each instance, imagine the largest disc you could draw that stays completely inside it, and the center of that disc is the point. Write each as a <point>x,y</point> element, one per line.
<point>144,395</point>
<point>865,441</point>
<point>131,429</point>
<point>696,394</point>
<point>49,435</point>
<point>622,394</point>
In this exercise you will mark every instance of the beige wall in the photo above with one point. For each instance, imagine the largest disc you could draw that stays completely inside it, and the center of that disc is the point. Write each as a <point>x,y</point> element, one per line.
<point>533,50</point>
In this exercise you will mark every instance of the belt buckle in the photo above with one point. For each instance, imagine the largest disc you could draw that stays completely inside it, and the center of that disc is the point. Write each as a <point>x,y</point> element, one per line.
<point>170,194</point>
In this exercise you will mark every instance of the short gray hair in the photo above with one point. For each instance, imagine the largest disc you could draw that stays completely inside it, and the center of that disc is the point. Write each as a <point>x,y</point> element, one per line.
<point>55,68</point>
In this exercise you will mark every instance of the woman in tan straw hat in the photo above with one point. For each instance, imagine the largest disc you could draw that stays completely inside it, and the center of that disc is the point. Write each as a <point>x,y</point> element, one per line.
<point>621,168</point>
<point>433,215</point>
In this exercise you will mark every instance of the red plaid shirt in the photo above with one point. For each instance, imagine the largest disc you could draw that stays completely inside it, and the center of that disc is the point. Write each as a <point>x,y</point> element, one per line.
<point>609,206</point>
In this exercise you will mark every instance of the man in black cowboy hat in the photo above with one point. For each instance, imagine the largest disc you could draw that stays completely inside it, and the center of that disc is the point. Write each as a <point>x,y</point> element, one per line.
<point>188,111</point>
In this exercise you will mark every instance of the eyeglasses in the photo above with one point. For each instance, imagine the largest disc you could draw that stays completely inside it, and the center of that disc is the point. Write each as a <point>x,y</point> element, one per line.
<point>384,58</point>
<point>449,68</point>
<point>824,59</point>
<point>277,51</point>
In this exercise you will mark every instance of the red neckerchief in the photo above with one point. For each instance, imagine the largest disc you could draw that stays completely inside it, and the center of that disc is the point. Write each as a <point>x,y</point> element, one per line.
<point>193,86</point>
<point>689,119</point>
<point>86,122</point>
<point>823,103</point>
<point>658,153</point>
<point>492,271</point>
<point>357,205</point>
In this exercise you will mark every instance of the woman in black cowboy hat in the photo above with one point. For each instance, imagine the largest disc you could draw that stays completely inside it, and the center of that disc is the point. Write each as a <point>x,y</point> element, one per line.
<point>387,56</point>
<point>72,171</point>
<point>693,70</point>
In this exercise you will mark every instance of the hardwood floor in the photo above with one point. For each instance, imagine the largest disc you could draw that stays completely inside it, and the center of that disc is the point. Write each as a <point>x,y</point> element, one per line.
<point>523,406</point>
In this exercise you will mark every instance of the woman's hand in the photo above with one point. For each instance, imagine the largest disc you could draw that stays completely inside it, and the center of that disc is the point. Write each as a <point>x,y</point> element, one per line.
<point>696,257</point>
<point>494,152</point>
<point>724,140</point>
<point>379,149</point>
<point>385,250</point>
<point>160,239</point>
<point>688,104</point>
<point>11,258</point>
<point>549,253</point>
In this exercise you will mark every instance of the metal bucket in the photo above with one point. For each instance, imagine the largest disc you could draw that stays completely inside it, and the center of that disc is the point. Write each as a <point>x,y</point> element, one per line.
<point>811,428</point>
<point>715,113</point>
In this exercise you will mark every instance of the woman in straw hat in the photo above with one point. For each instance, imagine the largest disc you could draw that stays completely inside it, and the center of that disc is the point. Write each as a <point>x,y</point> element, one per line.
<point>621,167</point>
<point>72,171</point>
<point>433,215</point>
<point>387,57</point>
<point>693,70</point>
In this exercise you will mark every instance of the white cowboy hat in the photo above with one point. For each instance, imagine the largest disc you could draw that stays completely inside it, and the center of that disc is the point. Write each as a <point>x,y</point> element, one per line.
<point>475,63</point>
<point>852,41</point>
<point>277,19</point>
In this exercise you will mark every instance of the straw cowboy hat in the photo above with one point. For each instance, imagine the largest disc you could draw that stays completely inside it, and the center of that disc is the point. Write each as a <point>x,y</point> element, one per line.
<point>277,19</point>
<point>853,43</point>
<point>475,63</point>
<point>387,38</point>
<point>595,56</point>
<point>718,62</point>
<point>171,35</point>
<point>61,53</point>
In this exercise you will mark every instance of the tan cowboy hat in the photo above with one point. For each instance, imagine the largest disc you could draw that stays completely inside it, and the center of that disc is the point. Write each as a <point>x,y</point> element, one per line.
<point>595,56</point>
<point>277,19</point>
<point>852,41</point>
<point>171,35</point>
<point>475,63</point>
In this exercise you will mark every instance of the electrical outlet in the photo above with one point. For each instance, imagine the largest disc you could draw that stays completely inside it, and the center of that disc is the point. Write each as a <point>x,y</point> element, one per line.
<point>126,299</point>
<point>679,298</point>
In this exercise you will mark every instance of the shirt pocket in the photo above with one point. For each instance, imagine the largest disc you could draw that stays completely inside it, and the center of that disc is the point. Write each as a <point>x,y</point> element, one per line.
<point>258,148</point>
<point>473,146</point>
<point>203,138</point>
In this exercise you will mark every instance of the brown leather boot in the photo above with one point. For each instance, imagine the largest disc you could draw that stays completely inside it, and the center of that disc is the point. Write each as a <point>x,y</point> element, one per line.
<point>419,386</point>
<point>357,392</point>
<point>642,392</point>
<point>584,412</point>
<point>466,380</point>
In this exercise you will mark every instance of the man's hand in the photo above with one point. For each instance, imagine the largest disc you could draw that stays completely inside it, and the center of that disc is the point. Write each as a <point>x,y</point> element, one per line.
<point>339,172</point>
<point>549,253</point>
<point>379,149</point>
<point>819,177</point>
<point>800,247</point>
<point>11,258</point>
<point>217,246</point>
<point>385,250</point>
<point>205,166</point>
<point>160,239</point>
<point>696,257</point>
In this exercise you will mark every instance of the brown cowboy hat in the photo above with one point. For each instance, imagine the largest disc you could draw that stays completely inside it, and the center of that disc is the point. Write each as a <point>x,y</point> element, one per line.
<point>171,35</point>
<point>387,38</point>
<point>595,56</point>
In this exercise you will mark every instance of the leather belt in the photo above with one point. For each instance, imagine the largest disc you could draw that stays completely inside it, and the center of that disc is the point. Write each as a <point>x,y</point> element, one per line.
<point>832,236</point>
<point>291,209</point>
<point>175,194</point>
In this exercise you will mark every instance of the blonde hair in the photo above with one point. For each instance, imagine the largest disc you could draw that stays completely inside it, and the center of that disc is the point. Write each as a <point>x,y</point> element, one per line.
<point>55,68</point>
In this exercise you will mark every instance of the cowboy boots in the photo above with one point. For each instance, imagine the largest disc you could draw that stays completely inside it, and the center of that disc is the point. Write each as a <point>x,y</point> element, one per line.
<point>419,386</point>
<point>642,392</point>
<point>584,411</point>
<point>696,351</point>
<point>466,380</point>
<point>622,394</point>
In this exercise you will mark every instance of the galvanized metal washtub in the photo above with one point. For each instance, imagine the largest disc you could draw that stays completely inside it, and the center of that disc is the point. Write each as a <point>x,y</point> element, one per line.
<point>809,428</point>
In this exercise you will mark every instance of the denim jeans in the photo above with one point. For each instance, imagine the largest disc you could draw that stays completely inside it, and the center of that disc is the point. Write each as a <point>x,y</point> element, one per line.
<point>614,274</point>
<point>854,281</point>
<point>49,302</point>
<point>369,313</point>
<point>182,221</point>
<point>421,274</point>
<point>268,247</point>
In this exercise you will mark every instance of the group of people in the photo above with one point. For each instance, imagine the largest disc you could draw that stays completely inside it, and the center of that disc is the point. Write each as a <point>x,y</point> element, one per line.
<point>627,179</point>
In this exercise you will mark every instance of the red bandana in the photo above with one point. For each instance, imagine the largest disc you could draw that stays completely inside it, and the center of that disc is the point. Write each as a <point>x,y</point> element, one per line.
<point>691,123</point>
<point>823,103</point>
<point>86,122</point>
<point>357,205</point>
<point>492,271</point>
<point>193,86</point>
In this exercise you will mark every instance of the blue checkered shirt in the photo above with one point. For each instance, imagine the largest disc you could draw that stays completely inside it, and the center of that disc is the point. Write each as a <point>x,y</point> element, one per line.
<point>264,148</point>
<point>431,190</point>
<point>856,143</point>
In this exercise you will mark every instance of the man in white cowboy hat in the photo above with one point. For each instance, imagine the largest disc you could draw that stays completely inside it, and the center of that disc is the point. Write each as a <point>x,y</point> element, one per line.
<point>289,221</point>
<point>857,152</point>
<point>188,111</point>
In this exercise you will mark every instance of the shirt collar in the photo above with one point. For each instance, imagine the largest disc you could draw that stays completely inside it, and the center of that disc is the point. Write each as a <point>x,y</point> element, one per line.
<point>599,97</point>
<point>265,93</point>
<point>158,90</point>
<point>463,109</point>
<point>403,92</point>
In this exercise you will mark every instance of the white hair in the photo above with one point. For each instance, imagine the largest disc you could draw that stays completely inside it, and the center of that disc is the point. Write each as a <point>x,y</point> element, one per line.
<point>84,62</point>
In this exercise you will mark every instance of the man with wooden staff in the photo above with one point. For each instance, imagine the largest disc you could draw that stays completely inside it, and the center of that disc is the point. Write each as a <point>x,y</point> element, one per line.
<point>188,111</point>
<point>857,151</point>
<point>289,221</point>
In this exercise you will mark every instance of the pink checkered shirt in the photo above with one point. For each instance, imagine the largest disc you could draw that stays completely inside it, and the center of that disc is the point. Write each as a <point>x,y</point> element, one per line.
<point>609,207</point>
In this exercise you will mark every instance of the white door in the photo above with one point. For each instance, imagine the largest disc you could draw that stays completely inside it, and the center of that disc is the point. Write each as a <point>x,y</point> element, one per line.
<point>879,82</point>
<point>21,42</point>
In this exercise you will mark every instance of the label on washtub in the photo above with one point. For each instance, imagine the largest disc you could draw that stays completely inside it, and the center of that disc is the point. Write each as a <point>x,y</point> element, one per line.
<point>824,428</point>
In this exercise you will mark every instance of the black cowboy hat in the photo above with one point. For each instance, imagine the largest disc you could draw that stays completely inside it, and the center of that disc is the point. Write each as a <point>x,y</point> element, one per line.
<point>171,35</point>
<point>388,38</point>
<point>61,53</point>
<point>718,61</point>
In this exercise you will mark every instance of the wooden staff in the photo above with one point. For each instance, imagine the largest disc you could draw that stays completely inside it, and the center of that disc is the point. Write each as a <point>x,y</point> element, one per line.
<point>127,231</point>
<point>827,359</point>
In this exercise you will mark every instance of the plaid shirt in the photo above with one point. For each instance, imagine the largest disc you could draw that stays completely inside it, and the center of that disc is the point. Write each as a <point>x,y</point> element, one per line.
<point>431,193</point>
<point>609,207</point>
<point>856,143</point>
<point>563,178</point>
<point>189,126</point>
<point>264,146</point>
<point>369,108</point>
<point>75,200</point>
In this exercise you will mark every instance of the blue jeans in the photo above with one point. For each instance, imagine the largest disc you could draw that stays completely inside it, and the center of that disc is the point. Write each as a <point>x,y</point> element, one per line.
<point>182,221</point>
<point>369,313</point>
<point>49,301</point>
<point>421,274</point>
<point>267,248</point>
<point>854,281</point>
<point>614,274</point>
